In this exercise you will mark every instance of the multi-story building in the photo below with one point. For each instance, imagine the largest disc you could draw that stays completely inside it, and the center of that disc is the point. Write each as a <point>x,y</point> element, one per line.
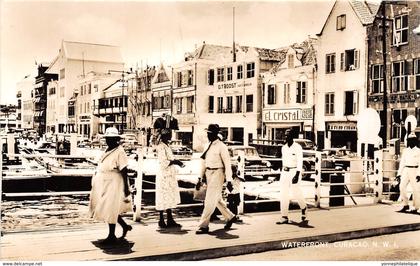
<point>232,97</point>
<point>8,120</point>
<point>40,98</point>
<point>25,110</point>
<point>288,96</point>
<point>73,61</point>
<point>342,73</point>
<point>190,84</point>
<point>402,77</point>
<point>52,106</point>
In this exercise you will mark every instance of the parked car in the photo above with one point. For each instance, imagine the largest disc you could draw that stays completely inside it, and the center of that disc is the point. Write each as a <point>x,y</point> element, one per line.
<point>306,144</point>
<point>255,166</point>
<point>179,150</point>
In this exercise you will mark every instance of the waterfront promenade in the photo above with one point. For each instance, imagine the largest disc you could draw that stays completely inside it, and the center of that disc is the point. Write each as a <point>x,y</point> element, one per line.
<point>258,233</point>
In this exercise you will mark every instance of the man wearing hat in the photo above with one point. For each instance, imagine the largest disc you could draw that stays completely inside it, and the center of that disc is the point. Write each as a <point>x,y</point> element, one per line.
<point>216,167</point>
<point>408,173</point>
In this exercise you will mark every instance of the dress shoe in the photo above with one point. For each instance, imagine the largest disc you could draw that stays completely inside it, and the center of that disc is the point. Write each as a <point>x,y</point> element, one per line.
<point>404,209</point>
<point>284,220</point>
<point>229,223</point>
<point>125,230</point>
<point>162,224</point>
<point>202,231</point>
<point>109,240</point>
<point>172,223</point>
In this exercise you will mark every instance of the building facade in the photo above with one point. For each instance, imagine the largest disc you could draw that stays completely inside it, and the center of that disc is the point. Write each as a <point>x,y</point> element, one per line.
<point>402,77</point>
<point>25,110</point>
<point>288,96</point>
<point>73,61</point>
<point>342,73</point>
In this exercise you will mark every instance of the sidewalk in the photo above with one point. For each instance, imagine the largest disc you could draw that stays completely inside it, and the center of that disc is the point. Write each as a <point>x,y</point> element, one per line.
<point>258,233</point>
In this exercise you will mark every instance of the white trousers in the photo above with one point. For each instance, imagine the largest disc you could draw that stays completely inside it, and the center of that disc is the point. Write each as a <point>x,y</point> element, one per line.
<point>213,200</point>
<point>408,176</point>
<point>286,188</point>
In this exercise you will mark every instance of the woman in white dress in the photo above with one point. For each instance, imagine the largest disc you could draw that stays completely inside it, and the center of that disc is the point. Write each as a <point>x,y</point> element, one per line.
<point>110,192</point>
<point>167,191</point>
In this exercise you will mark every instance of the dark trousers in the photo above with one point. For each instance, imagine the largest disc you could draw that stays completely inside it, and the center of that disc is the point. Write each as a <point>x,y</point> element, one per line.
<point>233,202</point>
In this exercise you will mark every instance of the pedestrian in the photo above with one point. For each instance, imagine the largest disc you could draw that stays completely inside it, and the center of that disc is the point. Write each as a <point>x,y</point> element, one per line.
<point>233,197</point>
<point>216,168</point>
<point>292,158</point>
<point>408,173</point>
<point>167,191</point>
<point>109,197</point>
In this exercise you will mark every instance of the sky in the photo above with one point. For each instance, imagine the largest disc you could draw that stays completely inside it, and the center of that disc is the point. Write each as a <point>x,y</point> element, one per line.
<point>147,32</point>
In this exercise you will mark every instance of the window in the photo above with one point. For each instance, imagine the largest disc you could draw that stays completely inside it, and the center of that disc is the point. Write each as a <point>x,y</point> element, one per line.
<point>166,101</point>
<point>290,61</point>
<point>399,76</point>
<point>89,88</point>
<point>96,87</point>
<point>377,78</point>
<point>178,103</point>
<point>210,77</point>
<point>240,73</point>
<point>52,91</point>
<point>229,73</point>
<point>229,102</point>
<point>286,93</point>
<point>190,78</point>
<point>417,74</point>
<point>350,102</point>
<point>400,25</point>
<point>329,104</point>
<point>71,110</point>
<point>341,22</point>
<point>250,103</point>
<point>179,79</point>
<point>190,104</point>
<point>211,104</point>
<point>250,70</point>
<point>220,104</point>
<point>301,92</point>
<point>62,91</point>
<point>349,60</point>
<point>62,73</point>
<point>239,104</point>
<point>81,90</point>
<point>271,94</point>
<point>220,74</point>
<point>330,63</point>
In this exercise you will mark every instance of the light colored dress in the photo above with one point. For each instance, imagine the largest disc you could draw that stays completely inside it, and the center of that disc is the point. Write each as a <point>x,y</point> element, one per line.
<point>167,191</point>
<point>107,199</point>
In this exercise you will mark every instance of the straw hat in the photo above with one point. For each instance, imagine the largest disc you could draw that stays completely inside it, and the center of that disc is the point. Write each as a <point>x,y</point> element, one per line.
<point>412,135</point>
<point>112,132</point>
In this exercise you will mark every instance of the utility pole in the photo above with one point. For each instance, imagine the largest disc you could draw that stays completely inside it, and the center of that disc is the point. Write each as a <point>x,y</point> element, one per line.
<point>385,100</point>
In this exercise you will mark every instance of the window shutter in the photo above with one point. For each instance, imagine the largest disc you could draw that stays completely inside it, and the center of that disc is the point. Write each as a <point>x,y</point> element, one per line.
<point>356,58</point>
<point>342,62</point>
<point>355,102</point>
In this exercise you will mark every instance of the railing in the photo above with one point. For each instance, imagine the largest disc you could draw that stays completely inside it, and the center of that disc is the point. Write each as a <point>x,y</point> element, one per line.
<point>372,183</point>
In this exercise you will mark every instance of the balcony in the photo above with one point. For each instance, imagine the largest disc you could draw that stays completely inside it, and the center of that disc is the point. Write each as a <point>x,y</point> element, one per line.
<point>109,110</point>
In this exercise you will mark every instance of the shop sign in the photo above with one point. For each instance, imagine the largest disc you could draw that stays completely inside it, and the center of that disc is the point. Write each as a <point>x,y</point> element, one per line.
<point>287,115</point>
<point>233,85</point>
<point>345,126</point>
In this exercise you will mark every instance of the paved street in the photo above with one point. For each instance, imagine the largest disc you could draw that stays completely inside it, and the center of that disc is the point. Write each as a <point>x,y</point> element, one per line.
<point>402,246</point>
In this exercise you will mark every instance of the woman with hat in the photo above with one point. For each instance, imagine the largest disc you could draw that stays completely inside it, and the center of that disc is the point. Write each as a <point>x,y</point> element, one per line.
<point>167,191</point>
<point>110,192</point>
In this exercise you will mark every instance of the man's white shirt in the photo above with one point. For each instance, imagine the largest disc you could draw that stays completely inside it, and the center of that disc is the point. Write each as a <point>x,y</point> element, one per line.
<point>292,156</point>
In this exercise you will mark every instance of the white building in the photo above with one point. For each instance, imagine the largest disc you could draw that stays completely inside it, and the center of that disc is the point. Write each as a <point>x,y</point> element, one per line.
<point>25,110</point>
<point>73,61</point>
<point>342,73</point>
<point>288,97</point>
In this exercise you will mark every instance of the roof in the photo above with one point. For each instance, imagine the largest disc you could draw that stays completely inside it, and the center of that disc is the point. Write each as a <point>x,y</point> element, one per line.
<point>209,51</point>
<point>364,10</point>
<point>92,52</point>
<point>266,54</point>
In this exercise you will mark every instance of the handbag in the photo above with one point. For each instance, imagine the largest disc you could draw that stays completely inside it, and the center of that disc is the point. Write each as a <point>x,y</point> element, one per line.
<point>200,191</point>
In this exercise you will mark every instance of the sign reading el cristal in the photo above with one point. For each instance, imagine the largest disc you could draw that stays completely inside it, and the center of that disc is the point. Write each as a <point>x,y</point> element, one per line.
<point>287,115</point>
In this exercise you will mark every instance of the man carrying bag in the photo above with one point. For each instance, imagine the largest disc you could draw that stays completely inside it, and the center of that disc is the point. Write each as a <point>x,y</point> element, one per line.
<point>215,168</point>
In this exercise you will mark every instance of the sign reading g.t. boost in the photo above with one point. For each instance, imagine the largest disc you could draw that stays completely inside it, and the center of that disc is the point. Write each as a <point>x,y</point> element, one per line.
<point>287,115</point>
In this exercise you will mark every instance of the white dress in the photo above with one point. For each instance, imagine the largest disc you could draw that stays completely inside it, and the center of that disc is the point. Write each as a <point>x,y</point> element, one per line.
<point>107,199</point>
<point>167,191</point>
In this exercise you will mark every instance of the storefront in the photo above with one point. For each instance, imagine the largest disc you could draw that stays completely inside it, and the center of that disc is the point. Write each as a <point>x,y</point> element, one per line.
<point>342,134</point>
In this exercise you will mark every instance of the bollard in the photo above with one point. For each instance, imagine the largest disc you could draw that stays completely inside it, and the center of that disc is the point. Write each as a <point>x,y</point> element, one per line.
<point>138,184</point>
<point>379,175</point>
<point>318,160</point>
<point>241,168</point>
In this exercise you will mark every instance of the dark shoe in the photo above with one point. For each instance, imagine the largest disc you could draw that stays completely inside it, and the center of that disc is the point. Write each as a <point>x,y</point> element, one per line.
<point>172,223</point>
<point>304,214</point>
<point>404,209</point>
<point>238,221</point>
<point>284,220</point>
<point>125,230</point>
<point>414,211</point>
<point>162,224</point>
<point>229,223</point>
<point>109,241</point>
<point>202,231</point>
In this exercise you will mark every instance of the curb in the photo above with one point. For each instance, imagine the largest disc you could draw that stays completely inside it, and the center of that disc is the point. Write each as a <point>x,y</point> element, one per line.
<point>243,249</point>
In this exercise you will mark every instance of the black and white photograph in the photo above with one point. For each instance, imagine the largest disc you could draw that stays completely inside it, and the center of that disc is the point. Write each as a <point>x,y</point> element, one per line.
<point>283,131</point>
